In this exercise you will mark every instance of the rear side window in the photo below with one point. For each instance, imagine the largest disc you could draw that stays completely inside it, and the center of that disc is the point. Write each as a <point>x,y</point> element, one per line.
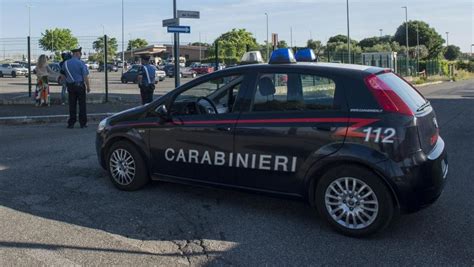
<point>412,98</point>
<point>293,91</point>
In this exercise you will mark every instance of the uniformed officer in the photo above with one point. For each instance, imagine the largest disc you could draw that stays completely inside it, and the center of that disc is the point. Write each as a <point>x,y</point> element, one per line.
<point>146,80</point>
<point>77,82</point>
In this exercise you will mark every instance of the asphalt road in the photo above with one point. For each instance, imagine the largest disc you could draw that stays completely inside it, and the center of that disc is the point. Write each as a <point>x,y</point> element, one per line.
<point>57,207</point>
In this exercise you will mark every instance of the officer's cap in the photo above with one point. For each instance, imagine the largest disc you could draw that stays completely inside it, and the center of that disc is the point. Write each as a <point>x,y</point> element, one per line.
<point>77,50</point>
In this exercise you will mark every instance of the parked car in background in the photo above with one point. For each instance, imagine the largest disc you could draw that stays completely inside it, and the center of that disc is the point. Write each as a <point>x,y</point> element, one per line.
<point>93,65</point>
<point>13,70</point>
<point>56,73</point>
<point>184,72</point>
<point>202,69</point>
<point>110,67</point>
<point>132,75</point>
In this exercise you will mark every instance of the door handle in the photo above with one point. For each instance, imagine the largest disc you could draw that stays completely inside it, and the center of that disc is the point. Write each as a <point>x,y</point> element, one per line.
<point>224,129</point>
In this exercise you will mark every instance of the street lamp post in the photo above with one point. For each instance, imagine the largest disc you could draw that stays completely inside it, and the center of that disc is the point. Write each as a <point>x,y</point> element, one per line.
<point>381,32</point>
<point>268,44</point>
<point>408,46</point>
<point>291,37</point>
<point>348,34</point>
<point>447,38</point>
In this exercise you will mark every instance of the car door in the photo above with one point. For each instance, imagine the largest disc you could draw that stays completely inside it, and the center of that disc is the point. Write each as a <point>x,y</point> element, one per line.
<point>294,118</point>
<point>197,143</point>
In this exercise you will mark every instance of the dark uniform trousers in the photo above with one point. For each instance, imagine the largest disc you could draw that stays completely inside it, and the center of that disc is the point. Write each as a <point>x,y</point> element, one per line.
<point>77,94</point>
<point>146,92</point>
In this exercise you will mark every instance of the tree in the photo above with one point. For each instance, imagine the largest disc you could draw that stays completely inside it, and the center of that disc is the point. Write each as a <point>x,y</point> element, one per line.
<point>200,44</point>
<point>341,39</point>
<point>314,44</point>
<point>99,46</point>
<point>282,44</point>
<point>233,44</point>
<point>452,52</point>
<point>58,40</point>
<point>427,35</point>
<point>136,43</point>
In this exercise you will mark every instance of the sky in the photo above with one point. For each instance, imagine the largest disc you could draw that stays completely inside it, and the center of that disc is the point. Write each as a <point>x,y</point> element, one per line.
<point>317,19</point>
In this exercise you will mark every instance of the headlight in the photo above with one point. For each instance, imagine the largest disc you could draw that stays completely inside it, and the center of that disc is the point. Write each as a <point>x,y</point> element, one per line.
<point>102,125</point>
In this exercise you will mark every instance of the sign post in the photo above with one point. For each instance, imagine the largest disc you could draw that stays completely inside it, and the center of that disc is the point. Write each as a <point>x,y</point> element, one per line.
<point>174,27</point>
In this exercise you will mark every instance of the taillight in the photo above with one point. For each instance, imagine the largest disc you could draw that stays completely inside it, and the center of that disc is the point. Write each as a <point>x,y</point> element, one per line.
<point>434,138</point>
<point>387,98</point>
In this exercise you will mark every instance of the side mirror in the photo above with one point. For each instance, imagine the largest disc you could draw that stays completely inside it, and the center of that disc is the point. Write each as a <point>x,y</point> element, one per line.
<point>162,112</point>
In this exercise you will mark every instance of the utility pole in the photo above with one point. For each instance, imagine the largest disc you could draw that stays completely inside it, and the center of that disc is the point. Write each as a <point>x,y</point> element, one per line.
<point>417,49</point>
<point>123,40</point>
<point>268,41</point>
<point>176,50</point>
<point>291,37</point>
<point>408,46</point>
<point>131,47</point>
<point>381,32</point>
<point>348,35</point>
<point>200,48</point>
<point>447,38</point>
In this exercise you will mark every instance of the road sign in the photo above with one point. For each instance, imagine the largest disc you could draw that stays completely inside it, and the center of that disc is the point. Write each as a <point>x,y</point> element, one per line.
<point>188,14</point>
<point>170,22</point>
<point>179,29</point>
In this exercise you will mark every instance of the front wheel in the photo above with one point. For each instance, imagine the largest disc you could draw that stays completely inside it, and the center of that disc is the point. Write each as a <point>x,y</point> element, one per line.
<point>126,167</point>
<point>354,201</point>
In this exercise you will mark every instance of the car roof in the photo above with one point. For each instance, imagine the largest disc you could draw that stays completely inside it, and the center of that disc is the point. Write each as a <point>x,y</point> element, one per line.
<point>330,67</point>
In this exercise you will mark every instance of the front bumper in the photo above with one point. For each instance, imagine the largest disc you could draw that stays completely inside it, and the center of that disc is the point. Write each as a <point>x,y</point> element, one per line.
<point>421,179</point>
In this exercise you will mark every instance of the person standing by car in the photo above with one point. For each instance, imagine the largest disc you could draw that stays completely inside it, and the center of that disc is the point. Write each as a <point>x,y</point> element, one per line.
<point>64,56</point>
<point>42,86</point>
<point>77,82</point>
<point>146,80</point>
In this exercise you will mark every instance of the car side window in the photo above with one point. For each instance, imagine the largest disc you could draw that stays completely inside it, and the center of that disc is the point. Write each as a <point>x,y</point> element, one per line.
<point>219,93</point>
<point>293,91</point>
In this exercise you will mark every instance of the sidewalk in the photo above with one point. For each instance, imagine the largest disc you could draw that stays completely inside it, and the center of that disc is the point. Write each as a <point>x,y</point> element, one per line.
<point>93,98</point>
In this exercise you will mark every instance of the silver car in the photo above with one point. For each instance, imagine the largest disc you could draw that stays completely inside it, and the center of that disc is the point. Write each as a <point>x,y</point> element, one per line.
<point>13,70</point>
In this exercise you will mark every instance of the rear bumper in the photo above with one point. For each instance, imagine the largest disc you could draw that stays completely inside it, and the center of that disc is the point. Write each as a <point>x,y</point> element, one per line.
<point>422,179</point>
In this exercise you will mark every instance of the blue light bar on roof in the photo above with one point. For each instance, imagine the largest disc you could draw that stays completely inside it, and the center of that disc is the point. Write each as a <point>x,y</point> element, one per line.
<point>305,55</point>
<point>282,56</point>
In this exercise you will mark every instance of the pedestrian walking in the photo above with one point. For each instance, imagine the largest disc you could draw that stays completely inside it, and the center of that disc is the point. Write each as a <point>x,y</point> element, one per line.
<point>42,86</point>
<point>146,80</point>
<point>62,81</point>
<point>77,82</point>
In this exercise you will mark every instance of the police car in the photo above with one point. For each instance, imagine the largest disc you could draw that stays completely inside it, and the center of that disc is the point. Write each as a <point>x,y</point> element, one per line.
<point>359,143</point>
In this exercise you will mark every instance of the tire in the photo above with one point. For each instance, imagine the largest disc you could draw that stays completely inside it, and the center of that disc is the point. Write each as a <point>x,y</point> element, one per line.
<point>127,153</point>
<point>1,74</point>
<point>124,81</point>
<point>377,213</point>
<point>13,74</point>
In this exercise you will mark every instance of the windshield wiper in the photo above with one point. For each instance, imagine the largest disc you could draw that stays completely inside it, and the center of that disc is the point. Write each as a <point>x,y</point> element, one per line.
<point>425,105</point>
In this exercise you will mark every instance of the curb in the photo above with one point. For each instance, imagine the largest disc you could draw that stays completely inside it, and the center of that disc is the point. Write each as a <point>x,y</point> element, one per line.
<point>427,84</point>
<point>54,101</point>
<point>23,120</point>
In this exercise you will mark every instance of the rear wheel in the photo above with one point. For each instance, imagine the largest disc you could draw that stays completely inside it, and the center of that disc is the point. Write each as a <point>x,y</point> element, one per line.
<point>126,167</point>
<point>1,74</point>
<point>354,201</point>
<point>13,74</point>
